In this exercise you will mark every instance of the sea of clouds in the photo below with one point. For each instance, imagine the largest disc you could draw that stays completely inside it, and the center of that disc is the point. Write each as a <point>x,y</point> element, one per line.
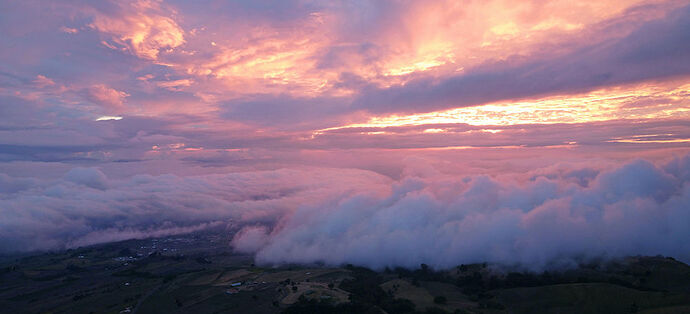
<point>336,216</point>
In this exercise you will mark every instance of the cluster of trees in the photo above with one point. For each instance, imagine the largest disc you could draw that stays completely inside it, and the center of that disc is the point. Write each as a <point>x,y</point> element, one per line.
<point>476,281</point>
<point>366,296</point>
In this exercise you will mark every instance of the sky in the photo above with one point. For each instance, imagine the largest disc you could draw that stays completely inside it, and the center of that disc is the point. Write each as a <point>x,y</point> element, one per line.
<point>383,133</point>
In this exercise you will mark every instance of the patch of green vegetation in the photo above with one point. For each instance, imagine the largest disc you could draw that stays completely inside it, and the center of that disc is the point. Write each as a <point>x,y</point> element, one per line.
<point>134,273</point>
<point>366,295</point>
<point>304,306</point>
<point>194,278</point>
<point>586,298</point>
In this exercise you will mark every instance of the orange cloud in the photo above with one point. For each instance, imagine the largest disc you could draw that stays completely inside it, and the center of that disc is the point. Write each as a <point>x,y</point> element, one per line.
<point>141,28</point>
<point>639,101</point>
<point>309,55</point>
<point>262,59</point>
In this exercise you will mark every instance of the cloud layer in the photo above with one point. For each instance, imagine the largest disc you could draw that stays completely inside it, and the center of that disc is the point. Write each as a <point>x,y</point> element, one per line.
<point>552,218</point>
<point>637,208</point>
<point>85,207</point>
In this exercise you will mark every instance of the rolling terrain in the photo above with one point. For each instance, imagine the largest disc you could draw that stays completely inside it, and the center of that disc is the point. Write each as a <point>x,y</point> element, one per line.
<point>199,273</point>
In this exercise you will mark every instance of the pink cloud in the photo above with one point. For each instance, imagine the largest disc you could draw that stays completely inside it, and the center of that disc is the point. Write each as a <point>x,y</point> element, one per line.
<point>110,99</point>
<point>43,81</point>
<point>69,30</point>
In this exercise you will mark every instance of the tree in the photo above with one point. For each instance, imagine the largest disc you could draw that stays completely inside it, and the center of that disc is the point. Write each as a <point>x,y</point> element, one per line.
<point>440,299</point>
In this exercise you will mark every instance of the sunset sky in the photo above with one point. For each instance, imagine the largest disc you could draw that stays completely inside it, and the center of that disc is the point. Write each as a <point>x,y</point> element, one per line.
<point>330,130</point>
